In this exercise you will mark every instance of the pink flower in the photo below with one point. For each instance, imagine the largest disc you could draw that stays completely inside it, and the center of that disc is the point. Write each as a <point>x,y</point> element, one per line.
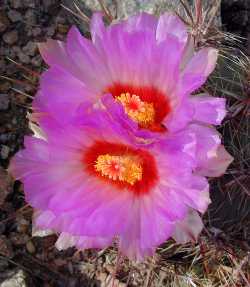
<point>124,149</point>
<point>91,184</point>
<point>147,65</point>
<point>142,71</point>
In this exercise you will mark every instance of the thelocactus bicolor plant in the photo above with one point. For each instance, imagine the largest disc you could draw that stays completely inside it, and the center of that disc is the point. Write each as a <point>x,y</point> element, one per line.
<point>124,147</point>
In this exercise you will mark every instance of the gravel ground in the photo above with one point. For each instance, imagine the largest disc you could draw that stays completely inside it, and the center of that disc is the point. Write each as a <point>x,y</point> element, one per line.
<point>26,261</point>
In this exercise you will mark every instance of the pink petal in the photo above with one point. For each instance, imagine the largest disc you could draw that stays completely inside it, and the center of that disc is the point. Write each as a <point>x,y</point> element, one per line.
<point>61,93</point>
<point>198,69</point>
<point>141,22</point>
<point>97,27</point>
<point>90,65</point>
<point>36,230</point>
<point>188,52</point>
<point>189,228</point>
<point>66,240</point>
<point>207,142</point>
<point>216,165</point>
<point>54,53</point>
<point>208,109</point>
<point>171,24</point>
<point>180,116</point>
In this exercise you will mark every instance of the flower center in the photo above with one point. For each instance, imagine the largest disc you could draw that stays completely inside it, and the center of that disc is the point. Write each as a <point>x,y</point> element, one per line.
<point>123,168</point>
<point>137,110</point>
<point>146,105</point>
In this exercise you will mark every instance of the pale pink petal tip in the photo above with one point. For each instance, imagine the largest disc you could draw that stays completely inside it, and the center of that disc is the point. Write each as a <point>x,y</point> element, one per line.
<point>188,229</point>
<point>51,50</point>
<point>66,240</point>
<point>36,230</point>
<point>171,24</point>
<point>217,165</point>
<point>209,109</point>
<point>203,62</point>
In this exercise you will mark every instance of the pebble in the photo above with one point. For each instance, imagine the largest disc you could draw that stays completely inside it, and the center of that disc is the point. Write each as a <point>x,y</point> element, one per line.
<point>14,16</point>
<point>4,22</point>
<point>36,31</point>
<point>18,239</point>
<point>10,37</point>
<point>47,4</point>
<point>3,265</point>
<point>25,59</point>
<point>5,137</point>
<point>16,3</point>
<point>30,247</point>
<point>22,225</point>
<point>36,61</point>
<point>51,31</point>
<point>5,186</point>
<point>18,279</point>
<point>29,3</point>
<point>4,102</point>
<point>30,48</point>
<point>30,17</point>
<point>5,247</point>
<point>5,150</point>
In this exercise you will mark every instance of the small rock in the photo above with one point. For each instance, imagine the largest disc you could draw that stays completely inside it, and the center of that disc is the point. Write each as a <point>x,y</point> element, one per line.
<point>29,3</point>
<point>4,22</point>
<point>23,57</point>
<point>16,4</point>
<point>10,37</point>
<point>60,262</point>
<point>16,49</point>
<point>47,4</point>
<point>18,239</point>
<point>4,137</point>
<point>36,31</point>
<point>3,265</point>
<point>30,49</point>
<point>62,29</point>
<point>5,150</point>
<point>60,19</point>
<point>36,61</point>
<point>14,16</point>
<point>16,280</point>
<point>5,86</point>
<point>51,31</point>
<point>4,102</point>
<point>30,17</point>
<point>5,247</point>
<point>2,66</point>
<point>22,225</point>
<point>5,185</point>
<point>30,247</point>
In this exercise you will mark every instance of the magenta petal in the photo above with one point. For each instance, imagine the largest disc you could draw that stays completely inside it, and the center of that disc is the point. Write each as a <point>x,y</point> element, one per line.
<point>198,69</point>
<point>188,229</point>
<point>88,62</point>
<point>171,24</point>
<point>217,164</point>
<point>97,27</point>
<point>208,109</point>
<point>66,240</point>
<point>54,53</point>
<point>180,117</point>
<point>141,22</point>
<point>60,95</point>
<point>36,230</point>
<point>207,142</point>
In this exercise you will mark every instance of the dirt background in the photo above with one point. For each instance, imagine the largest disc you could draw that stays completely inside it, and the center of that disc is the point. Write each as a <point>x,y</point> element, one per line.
<point>25,261</point>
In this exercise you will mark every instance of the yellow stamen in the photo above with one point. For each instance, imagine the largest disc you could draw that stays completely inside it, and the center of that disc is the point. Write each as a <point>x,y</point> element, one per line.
<point>123,168</point>
<point>139,111</point>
